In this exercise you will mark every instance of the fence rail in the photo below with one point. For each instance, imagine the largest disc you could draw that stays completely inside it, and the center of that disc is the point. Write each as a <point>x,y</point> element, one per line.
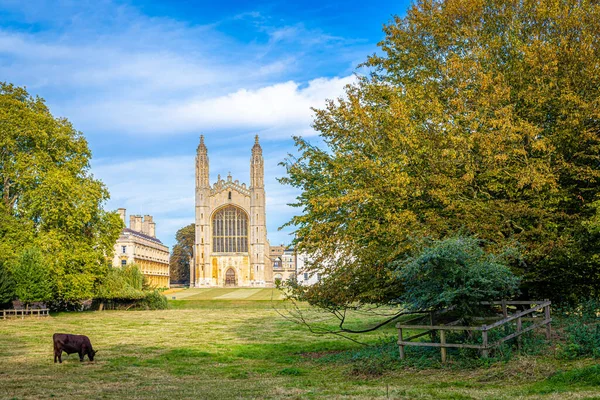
<point>485,346</point>
<point>38,312</point>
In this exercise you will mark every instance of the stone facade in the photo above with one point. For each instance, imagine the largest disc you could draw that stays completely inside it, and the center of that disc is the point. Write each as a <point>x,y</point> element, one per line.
<point>231,246</point>
<point>138,245</point>
<point>283,260</point>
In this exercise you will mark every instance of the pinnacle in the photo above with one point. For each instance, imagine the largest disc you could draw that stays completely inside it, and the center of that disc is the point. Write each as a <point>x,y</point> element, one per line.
<point>256,146</point>
<point>202,146</point>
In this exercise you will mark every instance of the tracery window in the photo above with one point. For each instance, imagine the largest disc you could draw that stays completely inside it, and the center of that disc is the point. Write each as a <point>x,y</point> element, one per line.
<point>230,230</point>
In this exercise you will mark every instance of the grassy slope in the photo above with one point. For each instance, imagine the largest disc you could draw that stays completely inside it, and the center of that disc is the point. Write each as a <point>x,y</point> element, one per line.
<point>237,349</point>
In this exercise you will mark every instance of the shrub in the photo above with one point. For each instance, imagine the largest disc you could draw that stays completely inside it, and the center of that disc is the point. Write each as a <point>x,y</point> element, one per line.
<point>581,326</point>
<point>154,301</point>
<point>455,272</point>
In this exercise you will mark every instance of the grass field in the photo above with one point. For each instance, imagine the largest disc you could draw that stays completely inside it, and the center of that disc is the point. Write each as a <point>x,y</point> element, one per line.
<point>249,294</point>
<point>238,348</point>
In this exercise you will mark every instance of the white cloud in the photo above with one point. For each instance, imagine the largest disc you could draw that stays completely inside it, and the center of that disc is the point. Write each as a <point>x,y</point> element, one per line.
<point>279,109</point>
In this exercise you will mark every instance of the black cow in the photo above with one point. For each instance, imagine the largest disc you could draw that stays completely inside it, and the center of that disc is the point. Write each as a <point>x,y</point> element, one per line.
<point>70,344</point>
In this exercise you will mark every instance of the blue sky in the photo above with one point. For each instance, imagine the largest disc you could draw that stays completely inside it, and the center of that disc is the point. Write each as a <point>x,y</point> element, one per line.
<point>143,79</point>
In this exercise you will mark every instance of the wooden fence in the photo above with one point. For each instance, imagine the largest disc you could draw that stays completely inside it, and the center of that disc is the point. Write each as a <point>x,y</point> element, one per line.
<point>433,330</point>
<point>39,312</point>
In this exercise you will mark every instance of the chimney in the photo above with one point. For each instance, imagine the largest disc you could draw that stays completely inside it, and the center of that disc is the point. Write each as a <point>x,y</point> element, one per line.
<point>146,225</point>
<point>122,213</point>
<point>152,229</point>
<point>135,223</point>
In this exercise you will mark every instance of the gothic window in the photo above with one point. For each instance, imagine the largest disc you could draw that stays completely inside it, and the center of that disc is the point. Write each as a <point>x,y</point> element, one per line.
<point>230,231</point>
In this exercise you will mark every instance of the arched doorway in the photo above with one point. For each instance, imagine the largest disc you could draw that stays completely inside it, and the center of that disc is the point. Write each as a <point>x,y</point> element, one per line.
<point>230,277</point>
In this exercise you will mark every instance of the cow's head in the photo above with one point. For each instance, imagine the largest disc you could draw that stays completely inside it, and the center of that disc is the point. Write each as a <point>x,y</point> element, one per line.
<point>92,354</point>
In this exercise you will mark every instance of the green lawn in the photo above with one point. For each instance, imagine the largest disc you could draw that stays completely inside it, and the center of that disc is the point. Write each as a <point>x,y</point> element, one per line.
<point>251,294</point>
<point>222,349</point>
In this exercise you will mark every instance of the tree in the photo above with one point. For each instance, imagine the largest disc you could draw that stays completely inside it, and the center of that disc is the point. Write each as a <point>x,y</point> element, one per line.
<point>32,277</point>
<point>48,197</point>
<point>182,253</point>
<point>478,116</point>
<point>7,285</point>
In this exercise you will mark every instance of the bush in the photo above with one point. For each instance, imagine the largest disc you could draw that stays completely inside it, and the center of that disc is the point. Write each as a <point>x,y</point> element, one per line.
<point>125,288</point>
<point>581,326</point>
<point>154,301</point>
<point>122,283</point>
<point>455,272</point>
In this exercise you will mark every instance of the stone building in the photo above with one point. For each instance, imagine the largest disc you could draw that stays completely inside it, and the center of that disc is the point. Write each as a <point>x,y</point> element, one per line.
<point>231,246</point>
<point>138,244</point>
<point>283,260</point>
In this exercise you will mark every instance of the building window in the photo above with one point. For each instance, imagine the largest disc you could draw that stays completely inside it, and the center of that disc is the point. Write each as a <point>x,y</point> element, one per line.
<point>123,263</point>
<point>230,230</point>
<point>306,276</point>
<point>124,249</point>
<point>229,196</point>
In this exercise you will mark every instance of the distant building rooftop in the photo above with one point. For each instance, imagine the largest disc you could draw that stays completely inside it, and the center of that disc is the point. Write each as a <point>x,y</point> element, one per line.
<point>142,235</point>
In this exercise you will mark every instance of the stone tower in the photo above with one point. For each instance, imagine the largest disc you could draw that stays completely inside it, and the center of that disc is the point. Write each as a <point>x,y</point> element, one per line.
<point>258,227</point>
<point>231,247</point>
<point>201,247</point>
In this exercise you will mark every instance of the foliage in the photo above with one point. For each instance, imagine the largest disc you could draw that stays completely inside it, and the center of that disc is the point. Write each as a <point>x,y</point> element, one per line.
<point>154,300</point>
<point>32,277</point>
<point>182,253</point>
<point>122,283</point>
<point>7,285</point>
<point>581,325</point>
<point>454,272</point>
<point>126,286</point>
<point>49,198</point>
<point>477,116</point>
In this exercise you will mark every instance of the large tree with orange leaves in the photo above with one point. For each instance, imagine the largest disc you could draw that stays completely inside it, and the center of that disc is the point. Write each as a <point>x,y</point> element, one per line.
<point>478,116</point>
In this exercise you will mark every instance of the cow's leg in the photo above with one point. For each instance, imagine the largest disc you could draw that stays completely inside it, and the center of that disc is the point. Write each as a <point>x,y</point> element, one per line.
<point>82,351</point>
<point>55,356</point>
<point>60,357</point>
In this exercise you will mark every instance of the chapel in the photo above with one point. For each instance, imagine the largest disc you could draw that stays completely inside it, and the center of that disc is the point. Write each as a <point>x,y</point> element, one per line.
<point>231,246</point>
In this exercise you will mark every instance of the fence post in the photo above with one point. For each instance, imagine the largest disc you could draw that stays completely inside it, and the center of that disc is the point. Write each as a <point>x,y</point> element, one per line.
<point>443,342</point>
<point>401,346</point>
<point>547,318</point>
<point>431,323</point>
<point>519,326</point>
<point>504,310</point>
<point>484,344</point>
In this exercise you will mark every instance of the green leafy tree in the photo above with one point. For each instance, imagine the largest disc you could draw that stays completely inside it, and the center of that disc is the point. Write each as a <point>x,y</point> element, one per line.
<point>32,277</point>
<point>455,272</point>
<point>182,253</point>
<point>477,116</point>
<point>7,285</point>
<point>49,198</point>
